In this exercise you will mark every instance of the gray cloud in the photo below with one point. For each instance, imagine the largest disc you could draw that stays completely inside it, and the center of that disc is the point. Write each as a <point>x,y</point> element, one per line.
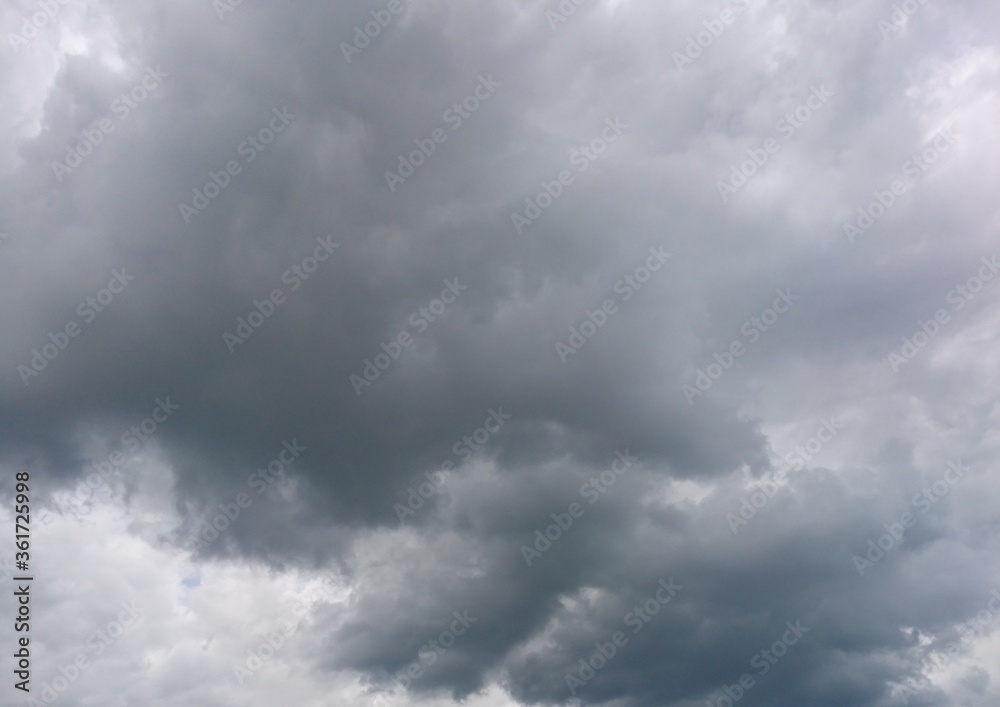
<point>589,126</point>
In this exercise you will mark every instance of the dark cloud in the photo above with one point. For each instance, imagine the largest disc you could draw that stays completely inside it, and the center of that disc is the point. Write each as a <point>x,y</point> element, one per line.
<point>388,351</point>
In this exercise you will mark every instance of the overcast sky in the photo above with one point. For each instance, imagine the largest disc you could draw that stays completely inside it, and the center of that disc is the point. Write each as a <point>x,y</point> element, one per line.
<point>503,352</point>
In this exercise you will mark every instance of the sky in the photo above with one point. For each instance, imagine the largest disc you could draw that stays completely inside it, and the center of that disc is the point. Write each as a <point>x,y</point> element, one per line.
<point>502,353</point>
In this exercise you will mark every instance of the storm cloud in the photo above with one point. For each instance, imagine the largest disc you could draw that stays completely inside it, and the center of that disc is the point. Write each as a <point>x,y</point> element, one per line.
<point>539,352</point>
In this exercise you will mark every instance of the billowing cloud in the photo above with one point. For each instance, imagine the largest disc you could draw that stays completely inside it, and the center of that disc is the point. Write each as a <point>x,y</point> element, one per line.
<point>528,353</point>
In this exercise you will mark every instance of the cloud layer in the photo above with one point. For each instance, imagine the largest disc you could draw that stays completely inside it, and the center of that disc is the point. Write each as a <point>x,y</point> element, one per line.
<point>641,354</point>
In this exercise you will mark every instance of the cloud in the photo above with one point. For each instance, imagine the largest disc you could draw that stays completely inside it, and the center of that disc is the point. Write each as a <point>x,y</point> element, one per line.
<point>332,340</point>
